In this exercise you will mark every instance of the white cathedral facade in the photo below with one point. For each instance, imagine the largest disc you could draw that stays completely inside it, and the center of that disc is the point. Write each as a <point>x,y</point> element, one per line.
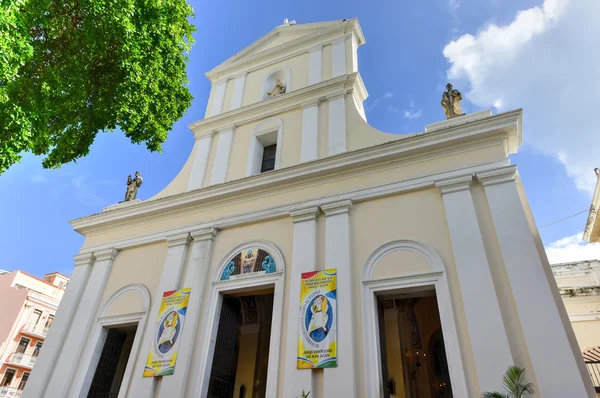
<point>300,249</point>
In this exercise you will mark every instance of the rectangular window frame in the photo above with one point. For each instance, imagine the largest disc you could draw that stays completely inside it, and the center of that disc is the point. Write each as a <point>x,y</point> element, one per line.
<point>23,383</point>
<point>7,383</point>
<point>26,346</point>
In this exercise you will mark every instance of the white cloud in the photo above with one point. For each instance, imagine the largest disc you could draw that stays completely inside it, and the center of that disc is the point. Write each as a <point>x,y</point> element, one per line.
<point>371,106</point>
<point>453,4</point>
<point>413,114</point>
<point>572,248</point>
<point>392,109</point>
<point>388,95</point>
<point>545,61</point>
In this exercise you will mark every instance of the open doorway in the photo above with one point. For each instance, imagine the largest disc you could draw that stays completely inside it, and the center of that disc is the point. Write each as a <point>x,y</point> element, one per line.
<point>112,363</point>
<point>413,356</point>
<point>240,361</point>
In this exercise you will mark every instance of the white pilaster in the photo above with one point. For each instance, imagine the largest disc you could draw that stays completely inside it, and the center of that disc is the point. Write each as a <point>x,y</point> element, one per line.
<point>195,278</point>
<point>338,57</point>
<point>337,124</point>
<point>314,64</point>
<point>68,359</point>
<point>552,357</point>
<point>218,97</point>
<point>484,320</point>
<point>310,131</point>
<point>54,342</point>
<point>203,144</point>
<point>238,91</point>
<point>341,381</point>
<point>354,49</point>
<point>219,170</point>
<point>169,280</point>
<point>304,259</point>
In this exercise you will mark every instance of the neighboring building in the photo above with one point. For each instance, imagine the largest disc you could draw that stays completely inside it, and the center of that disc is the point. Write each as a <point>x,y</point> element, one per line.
<point>592,225</point>
<point>27,308</point>
<point>579,285</point>
<point>442,278</point>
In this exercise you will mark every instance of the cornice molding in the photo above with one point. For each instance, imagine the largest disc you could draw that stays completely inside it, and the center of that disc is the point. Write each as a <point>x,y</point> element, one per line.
<point>283,51</point>
<point>344,84</point>
<point>284,210</point>
<point>500,176</point>
<point>452,185</point>
<point>413,148</point>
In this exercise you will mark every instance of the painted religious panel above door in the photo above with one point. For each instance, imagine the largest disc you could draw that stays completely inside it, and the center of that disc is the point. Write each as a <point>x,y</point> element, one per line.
<point>251,261</point>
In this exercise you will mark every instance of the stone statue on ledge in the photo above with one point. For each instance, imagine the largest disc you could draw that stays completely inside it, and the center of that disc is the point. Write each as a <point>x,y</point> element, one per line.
<point>132,186</point>
<point>278,89</point>
<point>451,102</point>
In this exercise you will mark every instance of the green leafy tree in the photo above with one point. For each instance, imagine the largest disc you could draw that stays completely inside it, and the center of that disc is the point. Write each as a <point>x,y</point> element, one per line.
<point>70,69</point>
<point>514,384</point>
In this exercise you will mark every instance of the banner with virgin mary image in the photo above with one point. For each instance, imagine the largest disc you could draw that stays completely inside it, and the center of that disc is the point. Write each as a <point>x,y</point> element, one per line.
<point>165,342</point>
<point>317,342</point>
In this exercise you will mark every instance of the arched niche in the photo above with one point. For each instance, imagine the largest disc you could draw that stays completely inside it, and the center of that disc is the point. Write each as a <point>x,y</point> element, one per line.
<point>129,299</point>
<point>401,258</point>
<point>250,259</point>
<point>283,74</point>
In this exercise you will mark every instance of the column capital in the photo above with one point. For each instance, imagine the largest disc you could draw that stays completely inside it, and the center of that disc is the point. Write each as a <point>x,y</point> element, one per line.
<point>497,176</point>
<point>204,134</point>
<point>335,208</point>
<point>309,104</point>
<point>203,234</point>
<point>106,254</point>
<point>304,214</point>
<point>224,129</point>
<point>338,40</point>
<point>332,97</point>
<point>457,184</point>
<point>83,258</point>
<point>318,47</point>
<point>179,239</point>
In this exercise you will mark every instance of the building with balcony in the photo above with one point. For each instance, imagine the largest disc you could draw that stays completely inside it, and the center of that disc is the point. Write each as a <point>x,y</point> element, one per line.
<point>27,310</point>
<point>579,285</point>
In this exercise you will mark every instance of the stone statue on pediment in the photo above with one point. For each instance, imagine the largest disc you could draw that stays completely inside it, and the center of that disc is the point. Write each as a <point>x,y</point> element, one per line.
<point>133,185</point>
<point>278,89</point>
<point>451,102</point>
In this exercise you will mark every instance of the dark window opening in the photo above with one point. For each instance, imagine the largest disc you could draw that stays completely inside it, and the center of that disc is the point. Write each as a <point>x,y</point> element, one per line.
<point>8,377</point>
<point>36,350</point>
<point>23,343</point>
<point>268,158</point>
<point>112,363</point>
<point>23,381</point>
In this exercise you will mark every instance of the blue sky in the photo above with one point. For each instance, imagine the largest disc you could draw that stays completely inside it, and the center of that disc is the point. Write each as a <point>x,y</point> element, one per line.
<point>507,54</point>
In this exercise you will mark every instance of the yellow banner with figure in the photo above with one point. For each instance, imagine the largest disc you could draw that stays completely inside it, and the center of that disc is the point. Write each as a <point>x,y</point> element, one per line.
<point>317,341</point>
<point>165,342</point>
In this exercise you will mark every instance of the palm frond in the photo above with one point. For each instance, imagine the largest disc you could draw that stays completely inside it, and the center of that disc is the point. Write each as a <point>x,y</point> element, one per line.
<point>494,395</point>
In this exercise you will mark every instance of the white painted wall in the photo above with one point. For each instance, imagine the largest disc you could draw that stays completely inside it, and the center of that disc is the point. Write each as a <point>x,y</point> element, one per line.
<point>338,57</point>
